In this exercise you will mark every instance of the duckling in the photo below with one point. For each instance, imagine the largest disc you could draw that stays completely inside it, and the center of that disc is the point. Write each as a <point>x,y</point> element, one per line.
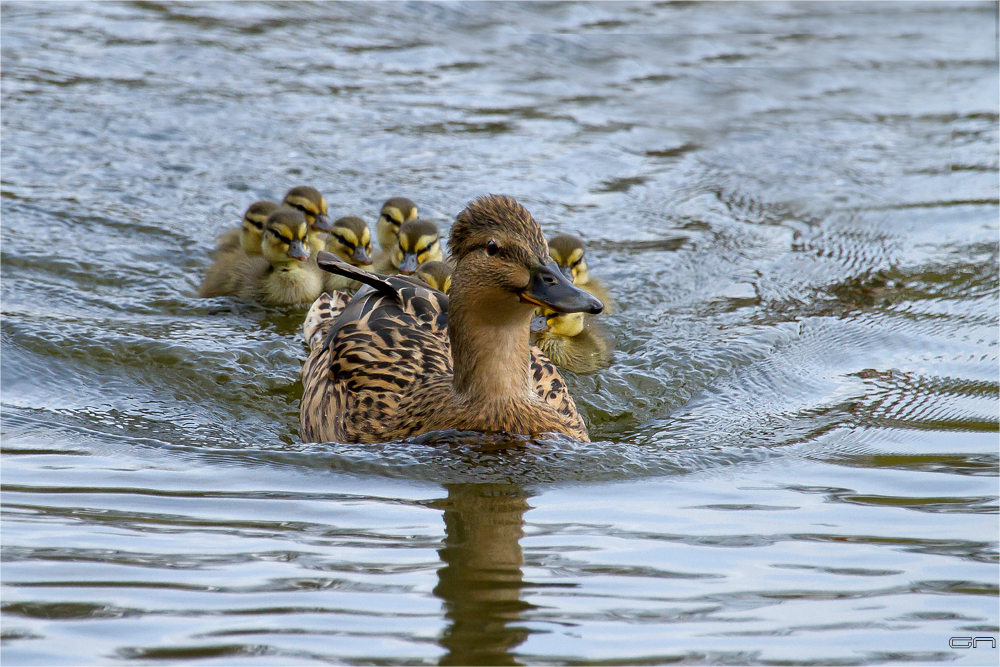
<point>570,340</point>
<point>419,242</point>
<point>403,359</point>
<point>247,237</point>
<point>352,242</point>
<point>312,204</point>
<point>282,275</point>
<point>222,278</point>
<point>436,274</point>
<point>568,250</point>
<point>394,212</point>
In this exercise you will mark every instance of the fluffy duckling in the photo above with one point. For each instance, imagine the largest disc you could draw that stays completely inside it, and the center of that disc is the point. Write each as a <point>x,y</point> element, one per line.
<point>571,340</point>
<point>247,237</point>
<point>402,359</point>
<point>223,277</point>
<point>436,274</point>
<point>419,241</point>
<point>568,251</point>
<point>350,240</point>
<point>394,213</point>
<point>312,205</point>
<point>282,275</point>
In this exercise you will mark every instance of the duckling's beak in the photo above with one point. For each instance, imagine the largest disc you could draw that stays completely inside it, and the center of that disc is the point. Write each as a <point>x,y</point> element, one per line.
<point>360,256</point>
<point>323,223</point>
<point>540,324</point>
<point>567,271</point>
<point>409,264</point>
<point>549,288</point>
<point>297,251</point>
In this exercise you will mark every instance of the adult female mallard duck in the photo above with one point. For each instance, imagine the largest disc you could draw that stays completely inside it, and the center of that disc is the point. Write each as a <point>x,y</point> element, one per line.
<point>568,252</point>
<point>222,278</point>
<point>350,240</point>
<point>437,274</point>
<point>571,340</point>
<point>282,275</point>
<point>311,204</point>
<point>419,241</point>
<point>403,359</point>
<point>394,213</point>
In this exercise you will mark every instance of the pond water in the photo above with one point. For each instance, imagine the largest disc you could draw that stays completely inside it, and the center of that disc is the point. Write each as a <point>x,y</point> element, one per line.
<point>795,456</point>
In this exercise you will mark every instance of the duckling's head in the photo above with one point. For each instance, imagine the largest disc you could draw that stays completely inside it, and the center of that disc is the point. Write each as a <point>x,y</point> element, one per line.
<point>394,213</point>
<point>567,250</point>
<point>351,239</point>
<point>312,205</point>
<point>558,324</point>
<point>253,225</point>
<point>437,274</point>
<point>419,242</point>
<point>503,262</point>
<point>286,235</point>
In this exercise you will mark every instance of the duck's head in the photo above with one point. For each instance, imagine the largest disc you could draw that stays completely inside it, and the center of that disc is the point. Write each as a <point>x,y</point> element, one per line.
<point>394,213</point>
<point>567,251</point>
<point>286,237</point>
<point>419,242</point>
<point>557,324</point>
<point>503,266</point>
<point>437,274</point>
<point>253,225</point>
<point>351,239</point>
<point>312,205</point>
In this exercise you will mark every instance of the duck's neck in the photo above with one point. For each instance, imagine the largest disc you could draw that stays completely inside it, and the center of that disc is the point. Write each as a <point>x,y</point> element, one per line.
<point>491,356</point>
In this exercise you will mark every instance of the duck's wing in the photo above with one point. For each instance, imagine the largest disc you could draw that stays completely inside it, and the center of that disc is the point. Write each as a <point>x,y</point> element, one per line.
<point>366,360</point>
<point>321,315</point>
<point>551,388</point>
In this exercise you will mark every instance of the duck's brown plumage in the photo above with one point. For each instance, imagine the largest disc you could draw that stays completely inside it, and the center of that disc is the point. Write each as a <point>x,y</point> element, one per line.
<point>401,359</point>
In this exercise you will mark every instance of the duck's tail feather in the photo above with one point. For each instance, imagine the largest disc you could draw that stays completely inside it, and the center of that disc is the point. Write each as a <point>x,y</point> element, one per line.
<point>330,262</point>
<point>321,316</point>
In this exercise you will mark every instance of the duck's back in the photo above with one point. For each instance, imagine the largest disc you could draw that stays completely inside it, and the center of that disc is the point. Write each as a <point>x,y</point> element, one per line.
<point>379,367</point>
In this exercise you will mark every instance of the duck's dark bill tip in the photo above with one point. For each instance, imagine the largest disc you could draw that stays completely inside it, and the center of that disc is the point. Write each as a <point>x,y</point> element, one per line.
<point>549,288</point>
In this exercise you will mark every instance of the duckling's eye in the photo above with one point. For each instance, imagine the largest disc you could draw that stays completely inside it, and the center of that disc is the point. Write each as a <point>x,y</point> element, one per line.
<point>492,248</point>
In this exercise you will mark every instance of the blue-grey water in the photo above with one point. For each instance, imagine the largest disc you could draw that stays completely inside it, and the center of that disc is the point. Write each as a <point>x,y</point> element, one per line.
<point>795,456</point>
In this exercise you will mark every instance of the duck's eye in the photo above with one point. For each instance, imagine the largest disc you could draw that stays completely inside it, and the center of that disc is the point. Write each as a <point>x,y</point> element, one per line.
<point>492,248</point>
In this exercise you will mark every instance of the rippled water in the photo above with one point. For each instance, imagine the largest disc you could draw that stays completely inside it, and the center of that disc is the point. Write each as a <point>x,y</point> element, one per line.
<point>795,454</point>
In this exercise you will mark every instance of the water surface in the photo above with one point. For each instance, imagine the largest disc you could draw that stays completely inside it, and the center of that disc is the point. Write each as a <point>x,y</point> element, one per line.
<point>795,454</point>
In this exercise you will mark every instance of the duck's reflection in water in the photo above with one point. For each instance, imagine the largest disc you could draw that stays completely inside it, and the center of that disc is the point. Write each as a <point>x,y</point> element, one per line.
<point>481,580</point>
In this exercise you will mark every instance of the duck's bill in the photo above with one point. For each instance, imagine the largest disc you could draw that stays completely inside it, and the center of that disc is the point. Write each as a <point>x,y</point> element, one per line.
<point>409,264</point>
<point>323,222</point>
<point>298,251</point>
<point>540,324</point>
<point>549,288</point>
<point>361,257</point>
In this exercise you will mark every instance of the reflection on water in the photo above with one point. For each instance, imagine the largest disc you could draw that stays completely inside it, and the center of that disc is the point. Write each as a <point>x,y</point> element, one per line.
<point>481,581</point>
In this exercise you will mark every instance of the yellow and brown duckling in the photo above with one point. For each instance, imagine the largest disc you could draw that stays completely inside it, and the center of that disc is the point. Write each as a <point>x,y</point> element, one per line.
<point>394,213</point>
<point>283,274</point>
<point>402,359</point>
<point>312,205</point>
<point>571,340</point>
<point>247,237</point>
<point>437,274</point>
<point>419,241</point>
<point>350,240</point>
<point>568,252</point>
<point>222,278</point>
